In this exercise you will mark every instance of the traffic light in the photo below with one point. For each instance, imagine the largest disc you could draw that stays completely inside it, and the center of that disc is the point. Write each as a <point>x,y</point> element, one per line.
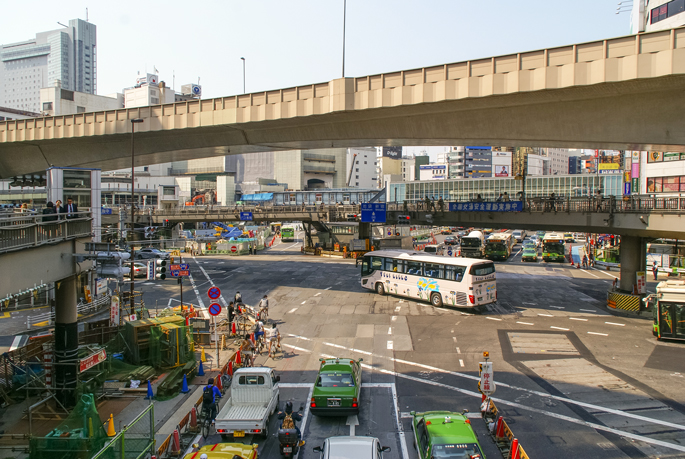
<point>351,217</point>
<point>166,223</point>
<point>160,269</point>
<point>403,219</point>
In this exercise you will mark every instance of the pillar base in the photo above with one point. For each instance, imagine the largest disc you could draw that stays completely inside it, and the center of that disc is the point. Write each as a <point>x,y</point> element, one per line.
<point>66,362</point>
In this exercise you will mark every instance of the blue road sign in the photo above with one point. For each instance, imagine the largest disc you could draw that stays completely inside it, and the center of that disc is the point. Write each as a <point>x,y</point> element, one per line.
<point>246,216</point>
<point>626,188</point>
<point>373,212</point>
<point>104,211</point>
<point>214,293</point>
<point>506,206</point>
<point>214,309</point>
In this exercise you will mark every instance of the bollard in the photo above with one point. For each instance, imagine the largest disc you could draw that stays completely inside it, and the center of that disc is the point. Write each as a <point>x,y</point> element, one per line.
<point>499,433</point>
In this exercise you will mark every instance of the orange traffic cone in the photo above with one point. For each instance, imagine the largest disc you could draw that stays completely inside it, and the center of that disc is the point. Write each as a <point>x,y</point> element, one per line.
<point>176,443</point>
<point>218,384</point>
<point>110,426</point>
<point>230,368</point>
<point>238,358</point>
<point>193,420</point>
<point>514,452</point>
<point>233,328</point>
<point>500,429</point>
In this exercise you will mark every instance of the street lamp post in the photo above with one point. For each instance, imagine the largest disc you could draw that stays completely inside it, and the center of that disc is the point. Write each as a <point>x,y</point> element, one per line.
<point>243,59</point>
<point>133,209</point>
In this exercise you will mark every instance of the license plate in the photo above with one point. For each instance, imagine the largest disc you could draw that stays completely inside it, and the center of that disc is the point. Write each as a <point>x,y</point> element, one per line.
<point>287,449</point>
<point>239,433</point>
<point>333,402</point>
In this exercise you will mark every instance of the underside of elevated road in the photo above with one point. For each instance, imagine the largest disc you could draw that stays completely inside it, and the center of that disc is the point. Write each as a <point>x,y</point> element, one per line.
<point>626,93</point>
<point>654,225</point>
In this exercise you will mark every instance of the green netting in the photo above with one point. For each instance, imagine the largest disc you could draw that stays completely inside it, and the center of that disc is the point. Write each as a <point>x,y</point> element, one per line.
<point>171,345</point>
<point>79,436</point>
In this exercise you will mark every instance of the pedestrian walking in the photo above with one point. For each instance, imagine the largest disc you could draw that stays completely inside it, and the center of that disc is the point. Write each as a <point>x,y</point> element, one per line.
<point>655,269</point>
<point>598,200</point>
<point>585,261</point>
<point>441,204</point>
<point>231,312</point>
<point>500,198</point>
<point>505,198</point>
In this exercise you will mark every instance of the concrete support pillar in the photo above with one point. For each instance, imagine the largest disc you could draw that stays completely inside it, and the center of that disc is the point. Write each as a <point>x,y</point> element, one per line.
<point>66,341</point>
<point>364,230</point>
<point>633,259</point>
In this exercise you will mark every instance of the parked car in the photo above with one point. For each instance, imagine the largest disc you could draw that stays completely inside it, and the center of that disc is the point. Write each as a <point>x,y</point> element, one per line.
<point>443,434</point>
<point>224,450</point>
<point>351,448</point>
<point>451,240</point>
<point>519,235</point>
<point>445,231</point>
<point>337,387</point>
<point>150,253</point>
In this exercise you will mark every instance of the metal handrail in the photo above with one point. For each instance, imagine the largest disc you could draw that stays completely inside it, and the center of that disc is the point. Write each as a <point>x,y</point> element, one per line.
<point>31,231</point>
<point>81,309</point>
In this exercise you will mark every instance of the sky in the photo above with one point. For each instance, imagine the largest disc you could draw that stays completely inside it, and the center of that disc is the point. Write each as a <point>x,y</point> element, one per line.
<point>289,43</point>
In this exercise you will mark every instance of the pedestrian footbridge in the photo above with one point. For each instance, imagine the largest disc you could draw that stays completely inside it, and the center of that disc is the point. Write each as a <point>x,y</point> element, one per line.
<point>622,93</point>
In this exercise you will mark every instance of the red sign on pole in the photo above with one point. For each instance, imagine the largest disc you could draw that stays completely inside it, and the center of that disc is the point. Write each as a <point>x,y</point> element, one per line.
<point>92,360</point>
<point>234,248</point>
<point>215,309</point>
<point>214,293</point>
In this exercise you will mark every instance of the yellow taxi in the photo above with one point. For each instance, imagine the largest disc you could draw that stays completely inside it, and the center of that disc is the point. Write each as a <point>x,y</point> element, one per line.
<point>224,451</point>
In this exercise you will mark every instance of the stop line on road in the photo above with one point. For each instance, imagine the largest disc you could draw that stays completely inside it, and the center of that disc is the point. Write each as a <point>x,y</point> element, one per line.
<point>510,403</point>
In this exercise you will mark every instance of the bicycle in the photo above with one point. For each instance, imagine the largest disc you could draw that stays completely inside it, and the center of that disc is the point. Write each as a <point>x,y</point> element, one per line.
<point>206,422</point>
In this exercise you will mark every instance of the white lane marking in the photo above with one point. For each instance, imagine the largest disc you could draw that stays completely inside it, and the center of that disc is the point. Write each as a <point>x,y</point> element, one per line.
<point>461,363</point>
<point>168,305</point>
<point>398,423</point>
<point>595,333</point>
<point>577,318</point>
<point>606,273</point>
<point>327,288</point>
<point>209,279</point>
<point>352,421</point>
<point>558,307</point>
<point>389,330</point>
<point>614,323</point>
<point>531,304</point>
<point>546,315</point>
<point>389,344</point>
<point>524,323</point>
<point>318,294</point>
<point>458,351</point>
<point>454,338</point>
<point>492,318</point>
<point>393,318</point>
<point>535,410</point>
<point>477,378</point>
<point>304,302</point>
<point>588,272</point>
<point>588,310</point>
<point>306,410</point>
<point>197,293</point>
<point>559,328</point>
<point>292,310</point>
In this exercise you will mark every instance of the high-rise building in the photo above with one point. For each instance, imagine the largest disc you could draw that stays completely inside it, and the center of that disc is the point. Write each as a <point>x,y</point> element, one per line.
<point>477,162</point>
<point>454,158</point>
<point>67,55</point>
<point>361,168</point>
<point>652,15</point>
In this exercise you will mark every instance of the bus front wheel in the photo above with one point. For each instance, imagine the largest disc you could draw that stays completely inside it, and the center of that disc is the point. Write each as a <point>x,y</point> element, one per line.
<point>436,300</point>
<point>380,289</point>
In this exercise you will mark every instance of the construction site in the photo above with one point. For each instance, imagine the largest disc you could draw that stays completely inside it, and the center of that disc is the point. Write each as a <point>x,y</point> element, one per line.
<point>137,385</point>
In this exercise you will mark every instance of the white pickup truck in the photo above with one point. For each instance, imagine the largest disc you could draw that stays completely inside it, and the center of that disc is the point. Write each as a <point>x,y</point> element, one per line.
<point>254,396</point>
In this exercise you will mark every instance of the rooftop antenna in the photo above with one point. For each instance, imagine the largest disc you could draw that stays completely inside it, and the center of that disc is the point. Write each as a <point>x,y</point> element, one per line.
<point>86,14</point>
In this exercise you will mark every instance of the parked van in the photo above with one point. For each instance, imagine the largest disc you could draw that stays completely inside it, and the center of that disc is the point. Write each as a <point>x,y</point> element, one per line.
<point>437,249</point>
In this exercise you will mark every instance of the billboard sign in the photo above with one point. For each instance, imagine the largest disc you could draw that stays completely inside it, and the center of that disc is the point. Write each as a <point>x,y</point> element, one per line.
<point>501,171</point>
<point>392,152</point>
<point>373,212</point>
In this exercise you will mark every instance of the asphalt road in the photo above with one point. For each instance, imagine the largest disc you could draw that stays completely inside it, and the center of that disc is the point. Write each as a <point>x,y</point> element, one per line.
<point>573,379</point>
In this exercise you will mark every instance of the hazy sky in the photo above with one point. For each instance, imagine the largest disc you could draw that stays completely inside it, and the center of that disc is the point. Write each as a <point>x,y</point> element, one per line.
<point>289,43</point>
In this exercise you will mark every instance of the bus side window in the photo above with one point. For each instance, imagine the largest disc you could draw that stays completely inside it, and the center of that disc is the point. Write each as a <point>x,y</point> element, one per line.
<point>376,263</point>
<point>454,273</point>
<point>415,267</point>
<point>389,264</point>
<point>365,266</point>
<point>435,270</point>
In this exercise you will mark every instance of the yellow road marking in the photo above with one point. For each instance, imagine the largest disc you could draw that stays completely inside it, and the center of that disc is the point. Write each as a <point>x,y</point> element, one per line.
<point>5,315</point>
<point>40,324</point>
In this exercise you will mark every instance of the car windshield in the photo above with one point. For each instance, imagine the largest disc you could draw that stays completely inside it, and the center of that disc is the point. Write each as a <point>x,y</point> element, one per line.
<point>529,245</point>
<point>335,380</point>
<point>470,242</point>
<point>456,451</point>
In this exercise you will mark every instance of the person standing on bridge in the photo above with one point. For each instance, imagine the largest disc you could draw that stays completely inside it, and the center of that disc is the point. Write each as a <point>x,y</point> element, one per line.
<point>655,269</point>
<point>71,209</point>
<point>441,204</point>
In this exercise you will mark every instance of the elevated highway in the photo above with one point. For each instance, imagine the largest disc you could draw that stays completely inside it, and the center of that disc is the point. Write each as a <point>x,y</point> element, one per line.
<point>619,93</point>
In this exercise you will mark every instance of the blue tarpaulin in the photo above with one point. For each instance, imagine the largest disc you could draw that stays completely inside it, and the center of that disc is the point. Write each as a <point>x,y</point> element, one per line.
<point>257,197</point>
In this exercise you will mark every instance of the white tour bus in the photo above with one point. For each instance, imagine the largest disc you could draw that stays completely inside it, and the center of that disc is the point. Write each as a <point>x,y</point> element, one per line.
<point>460,282</point>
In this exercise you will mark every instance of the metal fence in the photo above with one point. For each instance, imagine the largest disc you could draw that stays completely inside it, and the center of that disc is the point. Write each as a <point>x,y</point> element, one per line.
<point>135,440</point>
<point>81,309</point>
<point>19,232</point>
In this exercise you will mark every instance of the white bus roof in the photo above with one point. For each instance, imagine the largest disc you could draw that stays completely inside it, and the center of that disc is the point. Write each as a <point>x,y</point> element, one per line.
<point>425,257</point>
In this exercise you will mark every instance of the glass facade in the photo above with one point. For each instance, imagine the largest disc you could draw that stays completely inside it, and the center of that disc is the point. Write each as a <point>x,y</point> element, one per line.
<point>490,188</point>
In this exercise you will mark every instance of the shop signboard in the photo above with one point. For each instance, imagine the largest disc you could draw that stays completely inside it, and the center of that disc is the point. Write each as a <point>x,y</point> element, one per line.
<point>92,360</point>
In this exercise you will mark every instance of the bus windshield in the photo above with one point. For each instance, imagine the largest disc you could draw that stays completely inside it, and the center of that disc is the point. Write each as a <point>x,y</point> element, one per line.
<point>554,247</point>
<point>470,242</point>
<point>495,247</point>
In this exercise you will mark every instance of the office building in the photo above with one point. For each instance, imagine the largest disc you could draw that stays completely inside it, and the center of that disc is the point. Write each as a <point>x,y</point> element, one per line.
<point>67,55</point>
<point>454,158</point>
<point>311,169</point>
<point>653,15</point>
<point>433,172</point>
<point>501,164</point>
<point>477,162</point>
<point>574,165</point>
<point>361,168</point>
<point>55,101</point>
<point>8,114</point>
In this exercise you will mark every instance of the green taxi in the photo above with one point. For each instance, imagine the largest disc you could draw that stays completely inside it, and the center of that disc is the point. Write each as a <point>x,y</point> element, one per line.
<point>444,434</point>
<point>337,388</point>
<point>529,254</point>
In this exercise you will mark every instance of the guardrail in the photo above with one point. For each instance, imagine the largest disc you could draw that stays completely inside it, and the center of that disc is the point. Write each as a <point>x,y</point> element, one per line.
<point>20,232</point>
<point>81,309</point>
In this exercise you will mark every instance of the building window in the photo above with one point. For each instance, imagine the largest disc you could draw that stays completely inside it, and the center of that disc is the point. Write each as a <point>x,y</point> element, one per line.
<point>80,109</point>
<point>357,170</point>
<point>364,162</point>
<point>667,10</point>
<point>357,177</point>
<point>47,106</point>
